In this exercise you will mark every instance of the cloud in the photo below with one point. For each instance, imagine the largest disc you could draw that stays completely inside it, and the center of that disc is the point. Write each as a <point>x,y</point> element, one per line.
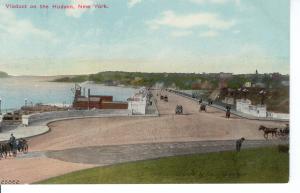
<point>237,2</point>
<point>132,3</point>
<point>209,34</point>
<point>193,20</point>
<point>10,26</point>
<point>181,33</point>
<point>236,31</point>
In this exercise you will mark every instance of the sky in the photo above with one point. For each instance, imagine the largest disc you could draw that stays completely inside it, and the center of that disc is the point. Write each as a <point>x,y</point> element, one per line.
<point>195,36</point>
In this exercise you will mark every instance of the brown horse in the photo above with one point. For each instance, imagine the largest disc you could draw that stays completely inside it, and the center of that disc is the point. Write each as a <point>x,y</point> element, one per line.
<point>268,131</point>
<point>6,150</point>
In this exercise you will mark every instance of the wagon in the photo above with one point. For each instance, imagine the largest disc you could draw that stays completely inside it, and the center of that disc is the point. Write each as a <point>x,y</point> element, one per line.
<point>179,110</point>
<point>166,98</point>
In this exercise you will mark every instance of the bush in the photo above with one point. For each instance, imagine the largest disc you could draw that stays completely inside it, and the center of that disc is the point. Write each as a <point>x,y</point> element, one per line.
<point>283,148</point>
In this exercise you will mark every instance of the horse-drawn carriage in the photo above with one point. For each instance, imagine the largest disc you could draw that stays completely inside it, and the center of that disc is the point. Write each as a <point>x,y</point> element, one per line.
<point>166,98</point>
<point>202,107</point>
<point>284,132</point>
<point>11,149</point>
<point>275,132</point>
<point>179,110</point>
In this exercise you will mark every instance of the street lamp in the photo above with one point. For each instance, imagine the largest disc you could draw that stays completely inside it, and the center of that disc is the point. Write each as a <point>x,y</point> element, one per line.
<point>0,106</point>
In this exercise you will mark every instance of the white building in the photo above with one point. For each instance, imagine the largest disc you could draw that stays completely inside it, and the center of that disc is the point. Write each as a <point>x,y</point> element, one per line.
<point>138,102</point>
<point>228,100</point>
<point>246,107</point>
<point>247,84</point>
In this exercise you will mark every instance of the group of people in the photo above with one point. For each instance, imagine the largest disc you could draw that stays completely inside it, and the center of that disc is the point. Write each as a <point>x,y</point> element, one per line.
<point>13,146</point>
<point>17,144</point>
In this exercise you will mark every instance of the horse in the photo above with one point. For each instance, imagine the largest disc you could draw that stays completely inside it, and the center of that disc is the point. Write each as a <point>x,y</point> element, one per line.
<point>7,149</point>
<point>2,151</point>
<point>268,131</point>
<point>202,108</point>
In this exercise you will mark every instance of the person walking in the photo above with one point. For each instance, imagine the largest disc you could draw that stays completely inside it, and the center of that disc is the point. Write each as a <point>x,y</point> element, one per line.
<point>239,143</point>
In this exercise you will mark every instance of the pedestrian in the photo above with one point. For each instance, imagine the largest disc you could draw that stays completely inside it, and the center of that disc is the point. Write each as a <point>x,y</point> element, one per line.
<point>239,144</point>
<point>227,113</point>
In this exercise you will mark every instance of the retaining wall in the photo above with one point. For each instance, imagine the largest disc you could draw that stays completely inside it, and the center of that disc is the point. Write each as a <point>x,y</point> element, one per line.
<point>278,115</point>
<point>29,119</point>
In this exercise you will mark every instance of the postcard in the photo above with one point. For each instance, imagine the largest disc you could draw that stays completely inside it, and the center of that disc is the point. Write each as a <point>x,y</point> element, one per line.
<point>144,91</point>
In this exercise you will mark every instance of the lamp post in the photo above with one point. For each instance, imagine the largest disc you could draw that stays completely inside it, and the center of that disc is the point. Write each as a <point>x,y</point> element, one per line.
<point>0,106</point>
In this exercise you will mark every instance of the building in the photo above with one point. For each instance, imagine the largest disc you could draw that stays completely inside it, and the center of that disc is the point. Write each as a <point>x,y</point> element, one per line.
<point>82,102</point>
<point>245,106</point>
<point>137,104</point>
<point>285,83</point>
<point>259,85</point>
<point>223,84</point>
<point>223,75</point>
<point>247,84</point>
<point>228,100</point>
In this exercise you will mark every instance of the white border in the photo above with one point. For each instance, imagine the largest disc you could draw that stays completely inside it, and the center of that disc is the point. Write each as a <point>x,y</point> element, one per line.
<point>212,188</point>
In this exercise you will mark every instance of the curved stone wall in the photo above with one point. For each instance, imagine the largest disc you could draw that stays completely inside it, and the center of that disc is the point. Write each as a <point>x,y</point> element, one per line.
<point>48,116</point>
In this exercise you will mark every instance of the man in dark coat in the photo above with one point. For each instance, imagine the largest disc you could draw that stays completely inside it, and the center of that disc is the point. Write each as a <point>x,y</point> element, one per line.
<point>12,140</point>
<point>239,144</point>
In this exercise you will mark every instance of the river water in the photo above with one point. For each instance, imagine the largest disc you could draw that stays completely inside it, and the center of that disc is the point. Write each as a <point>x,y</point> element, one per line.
<point>15,91</point>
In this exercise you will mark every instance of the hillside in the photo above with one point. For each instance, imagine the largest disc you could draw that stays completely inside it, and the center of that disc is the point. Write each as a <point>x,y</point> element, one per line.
<point>277,98</point>
<point>3,74</point>
<point>175,80</point>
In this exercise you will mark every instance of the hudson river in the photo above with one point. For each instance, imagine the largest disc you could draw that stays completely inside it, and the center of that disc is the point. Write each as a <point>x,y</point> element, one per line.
<point>14,91</point>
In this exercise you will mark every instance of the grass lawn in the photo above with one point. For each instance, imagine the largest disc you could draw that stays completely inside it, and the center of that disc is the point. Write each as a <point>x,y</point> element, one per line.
<point>261,165</point>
